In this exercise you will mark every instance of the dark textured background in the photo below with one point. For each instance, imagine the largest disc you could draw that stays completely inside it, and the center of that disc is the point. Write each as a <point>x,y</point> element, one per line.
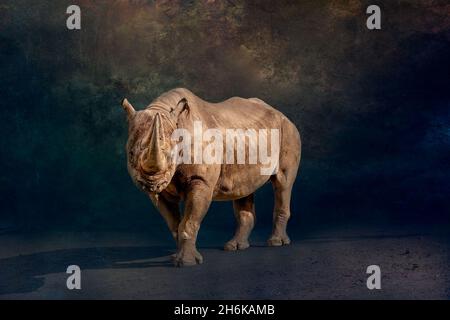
<point>372,106</point>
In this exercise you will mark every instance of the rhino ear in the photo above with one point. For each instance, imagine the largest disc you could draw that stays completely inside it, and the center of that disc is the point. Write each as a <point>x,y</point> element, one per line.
<point>181,107</point>
<point>128,108</point>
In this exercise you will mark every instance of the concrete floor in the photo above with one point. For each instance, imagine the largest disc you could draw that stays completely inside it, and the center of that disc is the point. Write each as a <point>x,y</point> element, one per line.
<point>327,265</point>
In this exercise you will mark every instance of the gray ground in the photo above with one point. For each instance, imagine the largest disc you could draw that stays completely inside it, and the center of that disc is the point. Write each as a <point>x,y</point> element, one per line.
<point>327,265</point>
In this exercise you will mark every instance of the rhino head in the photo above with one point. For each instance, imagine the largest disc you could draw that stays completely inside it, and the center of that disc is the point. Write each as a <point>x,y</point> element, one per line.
<point>149,146</point>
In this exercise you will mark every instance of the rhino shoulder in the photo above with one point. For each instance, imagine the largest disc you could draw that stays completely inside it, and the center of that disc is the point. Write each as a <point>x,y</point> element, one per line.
<point>265,105</point>
<point>257,100</point>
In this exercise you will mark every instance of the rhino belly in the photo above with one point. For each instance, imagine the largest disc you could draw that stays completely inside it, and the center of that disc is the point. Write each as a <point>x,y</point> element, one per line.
<point>238,181</point>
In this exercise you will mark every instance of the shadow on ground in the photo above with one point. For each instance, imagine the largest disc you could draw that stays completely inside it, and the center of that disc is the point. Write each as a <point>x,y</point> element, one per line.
<point>21,274</point>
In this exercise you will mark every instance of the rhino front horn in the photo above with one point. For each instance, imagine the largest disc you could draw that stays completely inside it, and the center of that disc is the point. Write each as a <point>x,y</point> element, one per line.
<point>128,108</point>
<point>155,160</point>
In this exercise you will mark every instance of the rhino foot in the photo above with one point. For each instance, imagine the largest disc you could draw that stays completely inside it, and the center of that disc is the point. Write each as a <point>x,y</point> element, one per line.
<point>234,245</point>
<point>187,257</point>
<point>278,241</point>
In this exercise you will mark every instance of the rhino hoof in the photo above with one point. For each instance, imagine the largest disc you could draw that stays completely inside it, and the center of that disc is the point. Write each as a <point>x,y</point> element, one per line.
<point>275,241</point>
<point>234,245</point>
<point>187,259</point>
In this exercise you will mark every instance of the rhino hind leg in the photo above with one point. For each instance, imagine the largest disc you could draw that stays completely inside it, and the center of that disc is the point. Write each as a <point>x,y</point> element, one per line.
<point>281,212</point>
<point>244,211</point>
<point>282,183</point>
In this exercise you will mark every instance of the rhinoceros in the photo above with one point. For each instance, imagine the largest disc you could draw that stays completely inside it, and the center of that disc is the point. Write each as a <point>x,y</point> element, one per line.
<point>151,152</point>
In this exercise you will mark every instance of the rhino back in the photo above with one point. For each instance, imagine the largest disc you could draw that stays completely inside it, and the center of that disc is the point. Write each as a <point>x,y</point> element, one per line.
<point>241,113</point>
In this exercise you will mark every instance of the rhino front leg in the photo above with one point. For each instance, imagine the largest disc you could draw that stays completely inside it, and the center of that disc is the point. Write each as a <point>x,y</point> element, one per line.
<point>244,211</point>
<point>170,211</point>
<point>197,202</point>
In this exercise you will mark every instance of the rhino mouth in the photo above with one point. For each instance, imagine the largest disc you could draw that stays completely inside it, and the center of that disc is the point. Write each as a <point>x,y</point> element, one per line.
<point>155,183</point>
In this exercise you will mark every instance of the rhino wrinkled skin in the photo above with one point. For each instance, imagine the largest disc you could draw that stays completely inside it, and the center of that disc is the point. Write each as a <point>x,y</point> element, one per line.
<point>168,184</point>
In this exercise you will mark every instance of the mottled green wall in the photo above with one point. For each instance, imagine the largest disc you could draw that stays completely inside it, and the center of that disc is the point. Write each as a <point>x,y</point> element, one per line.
<point>372,106</point>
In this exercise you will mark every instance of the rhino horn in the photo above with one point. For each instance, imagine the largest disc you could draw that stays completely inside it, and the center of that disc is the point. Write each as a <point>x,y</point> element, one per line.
<point>155,161</point>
